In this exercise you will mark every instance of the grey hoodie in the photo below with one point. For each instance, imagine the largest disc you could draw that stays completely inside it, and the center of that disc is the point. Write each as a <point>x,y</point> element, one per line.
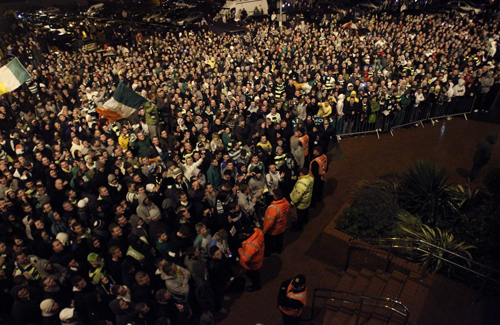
<point>486,82</point>
<point>297,151</point>
<point>146,211</point>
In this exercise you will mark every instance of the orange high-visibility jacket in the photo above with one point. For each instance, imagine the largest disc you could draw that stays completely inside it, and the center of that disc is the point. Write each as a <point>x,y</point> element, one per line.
<point>252,251</point>
<point>304,142</point>
<point>276,217</point>
<point>300,296</point>
<point>322,162</point>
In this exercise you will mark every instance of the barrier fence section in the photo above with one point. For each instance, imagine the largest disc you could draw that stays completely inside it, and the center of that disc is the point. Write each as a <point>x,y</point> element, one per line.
<point>385,121</point>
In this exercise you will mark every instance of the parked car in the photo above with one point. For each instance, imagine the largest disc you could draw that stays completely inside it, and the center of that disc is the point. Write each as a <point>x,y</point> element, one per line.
<point>94,9</point>
<point>368,4</point>
<point>154,14</point>
<point>182,4</point>
<point>463,6</point>
<point>89,45</point>
<point>171,15</point>
<point>50,11</point>
<point>188,18</point>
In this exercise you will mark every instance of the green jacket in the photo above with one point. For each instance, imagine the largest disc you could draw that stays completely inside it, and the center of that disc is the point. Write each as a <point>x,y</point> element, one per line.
<point>152,116</point>
<point>374,107</point>
<point>226,139</point>
<point>142,147</point>
<point>405,99</point>
<point>302,192</point>
<point>214,176</point>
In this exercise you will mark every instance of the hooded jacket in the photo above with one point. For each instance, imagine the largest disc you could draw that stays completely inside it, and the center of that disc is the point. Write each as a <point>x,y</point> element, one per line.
<point>297,151</point>
<point>123,317</point>
<point>340,105</point>
<point>459,89</point>
<point>178,284</point>
<point>486,82</point>
<point>57,270</point>
<point>140,232</point>
<point>146,211</point>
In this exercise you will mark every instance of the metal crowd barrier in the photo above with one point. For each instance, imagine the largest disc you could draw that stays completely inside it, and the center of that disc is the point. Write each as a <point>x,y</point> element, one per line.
<point>462,105</point>
<point>356,124</point>
<point>408,115</point>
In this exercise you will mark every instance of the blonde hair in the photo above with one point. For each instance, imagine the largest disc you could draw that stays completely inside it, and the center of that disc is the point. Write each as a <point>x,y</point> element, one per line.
<point>199,226</point>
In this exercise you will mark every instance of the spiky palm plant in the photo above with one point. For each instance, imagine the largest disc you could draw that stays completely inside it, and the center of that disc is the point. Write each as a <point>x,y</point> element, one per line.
<point>424,191</point>
<point>442,239</point>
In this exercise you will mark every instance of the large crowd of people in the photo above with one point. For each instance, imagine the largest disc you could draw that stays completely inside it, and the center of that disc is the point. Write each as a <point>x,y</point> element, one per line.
<point>141,221</point>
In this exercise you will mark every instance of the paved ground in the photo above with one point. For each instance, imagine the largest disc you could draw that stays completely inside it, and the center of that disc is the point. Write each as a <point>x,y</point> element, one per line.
<point>449,143</point>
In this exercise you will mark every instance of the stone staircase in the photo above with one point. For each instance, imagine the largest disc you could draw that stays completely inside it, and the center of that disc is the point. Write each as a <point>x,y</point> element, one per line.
<point>435,300</point>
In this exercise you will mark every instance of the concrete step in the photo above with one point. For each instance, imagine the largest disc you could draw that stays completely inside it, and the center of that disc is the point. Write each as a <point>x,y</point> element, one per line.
<point>374,289</point>
<point>345,311</point>
<point>392,290</point>
<point>413,296</point>
<point>328,308</point>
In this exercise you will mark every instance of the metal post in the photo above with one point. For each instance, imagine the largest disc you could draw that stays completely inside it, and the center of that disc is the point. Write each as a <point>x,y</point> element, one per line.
<point>359,310</point>
<point>281,13</point>
<point>388,260</point>
<point>426,264</point>
<point>478,296</point>
<point>312,307</point>
<point>348,257</point>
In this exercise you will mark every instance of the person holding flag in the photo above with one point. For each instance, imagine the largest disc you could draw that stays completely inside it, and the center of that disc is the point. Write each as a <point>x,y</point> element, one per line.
<point>123,104</point>
<point>12,76</point>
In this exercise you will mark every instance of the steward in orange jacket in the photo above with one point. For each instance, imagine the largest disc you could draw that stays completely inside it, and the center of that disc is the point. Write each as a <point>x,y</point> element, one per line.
<point>292,298</point>
<point>317,170</point>
<point>275,220</point>
<point>252,255</point>
<point>300,133</point>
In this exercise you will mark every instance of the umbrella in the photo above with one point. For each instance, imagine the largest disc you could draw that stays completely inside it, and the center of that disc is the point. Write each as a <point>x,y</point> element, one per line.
<point>350,25</point>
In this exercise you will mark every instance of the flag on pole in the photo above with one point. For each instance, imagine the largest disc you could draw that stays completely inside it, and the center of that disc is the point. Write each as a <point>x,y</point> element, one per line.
<point>123,103</point>
<point>12,76</point>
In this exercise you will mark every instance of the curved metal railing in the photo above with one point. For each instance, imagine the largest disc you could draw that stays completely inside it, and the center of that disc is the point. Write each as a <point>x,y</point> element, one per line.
<point>433,251</point>
<point>361,301</point>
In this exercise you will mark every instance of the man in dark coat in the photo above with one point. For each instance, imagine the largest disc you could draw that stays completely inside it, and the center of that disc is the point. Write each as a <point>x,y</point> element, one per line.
<point>482,155</point>
<point>26,308</point>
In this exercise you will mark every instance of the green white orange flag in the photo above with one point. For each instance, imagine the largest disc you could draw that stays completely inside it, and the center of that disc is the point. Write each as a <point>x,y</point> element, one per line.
<point>12,76</point>
<point>123,103</point>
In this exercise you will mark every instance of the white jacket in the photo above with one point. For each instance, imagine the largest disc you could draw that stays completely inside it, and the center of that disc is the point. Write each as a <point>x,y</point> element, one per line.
<point>459,90</point>
<point>419,98</point>
<point>189,170</point>
<point>340,105</point>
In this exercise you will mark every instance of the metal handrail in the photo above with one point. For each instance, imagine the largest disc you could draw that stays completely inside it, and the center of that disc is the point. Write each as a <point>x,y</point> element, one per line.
<point>408,240</point>
<point>433,252</point>
<point>405,312</point>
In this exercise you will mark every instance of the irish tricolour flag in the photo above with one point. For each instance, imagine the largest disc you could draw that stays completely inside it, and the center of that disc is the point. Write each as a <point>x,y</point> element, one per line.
<point>12,76</point>
<point>123,103</point>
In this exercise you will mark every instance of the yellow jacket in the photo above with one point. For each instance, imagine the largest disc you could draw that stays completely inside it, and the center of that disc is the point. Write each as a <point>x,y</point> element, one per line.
<point>325,110</point>
<point>302,192</point>
<point>123,141</point>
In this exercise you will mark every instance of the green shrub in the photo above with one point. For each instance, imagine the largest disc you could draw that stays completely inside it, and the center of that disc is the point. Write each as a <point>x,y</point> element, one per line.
<point>371,215</point>
<point>492,182</point>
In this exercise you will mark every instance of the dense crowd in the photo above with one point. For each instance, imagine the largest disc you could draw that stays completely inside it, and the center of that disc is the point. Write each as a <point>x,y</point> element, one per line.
<point>146,215</point>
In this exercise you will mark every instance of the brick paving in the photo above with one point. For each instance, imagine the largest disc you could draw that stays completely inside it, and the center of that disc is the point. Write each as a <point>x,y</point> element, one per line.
<point>320,255</point>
